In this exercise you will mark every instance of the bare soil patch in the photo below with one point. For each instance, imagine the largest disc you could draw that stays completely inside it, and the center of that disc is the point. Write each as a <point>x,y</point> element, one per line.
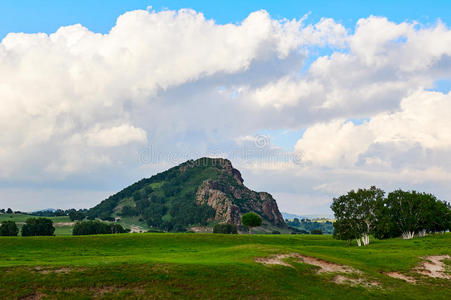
<point>62,224</point>
<point>324,266</point>
<point>63,270</point>
<point>433,266</point>
<point>340,279</point>
<point>401,276</point>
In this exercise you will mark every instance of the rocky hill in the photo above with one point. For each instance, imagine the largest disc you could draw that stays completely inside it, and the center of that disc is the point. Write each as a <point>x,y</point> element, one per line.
<point>195,194</point>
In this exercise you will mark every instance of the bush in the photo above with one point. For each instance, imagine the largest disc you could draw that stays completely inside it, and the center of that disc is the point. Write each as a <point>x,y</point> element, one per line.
<point>225,228</point>
<point>275,232</point>
<point>38,227</point>
<point>316,231</point>
<point>96,227</point>
<point>8,228</point>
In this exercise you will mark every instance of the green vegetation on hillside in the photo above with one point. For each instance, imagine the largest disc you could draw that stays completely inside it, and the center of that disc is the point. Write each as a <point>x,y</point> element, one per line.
<point>168,200</point>
<point>212,266</point>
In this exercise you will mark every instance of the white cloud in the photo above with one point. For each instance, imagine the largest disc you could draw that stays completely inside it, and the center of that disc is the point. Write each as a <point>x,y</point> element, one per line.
<point>78,104</point>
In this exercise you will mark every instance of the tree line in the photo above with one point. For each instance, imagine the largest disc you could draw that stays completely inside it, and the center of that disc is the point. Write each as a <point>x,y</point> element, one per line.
<point>405,214</point>
<point>44,227</point>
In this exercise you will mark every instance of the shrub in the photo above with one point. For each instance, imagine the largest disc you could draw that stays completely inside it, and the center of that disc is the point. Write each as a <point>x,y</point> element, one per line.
<point>9,228</point>
<point>316,231</point>
<point>38,227</point>
<point>275,232</point>
<point>96,227</point>
<point>225,228</point>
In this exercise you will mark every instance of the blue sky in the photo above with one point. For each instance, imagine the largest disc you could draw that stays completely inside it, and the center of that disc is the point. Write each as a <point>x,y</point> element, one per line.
<point>32,16</point>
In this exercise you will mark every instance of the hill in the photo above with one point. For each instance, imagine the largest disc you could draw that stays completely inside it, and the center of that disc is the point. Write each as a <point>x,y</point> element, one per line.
<point>195,194</point>
<point>217,266</point>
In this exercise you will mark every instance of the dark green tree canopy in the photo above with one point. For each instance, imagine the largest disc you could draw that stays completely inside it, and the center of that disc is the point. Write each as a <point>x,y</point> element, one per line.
<point>96,227</point>
<point>251,220</point>
<point>8,228</point>
<point>38,227</point>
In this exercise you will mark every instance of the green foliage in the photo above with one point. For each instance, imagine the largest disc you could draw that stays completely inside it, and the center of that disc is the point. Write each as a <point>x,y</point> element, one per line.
<point>225,228</point>
<point>251,220</point>
<point>75,215</point>
<point>128,211</point>
<point>356,212</point>
<point>9,211</point>
<point>413,212</point>
<point>8,228</point>
<point>316,231</point>
<point>405,213</point>
<point>38,227</point>
<point>96,227</point>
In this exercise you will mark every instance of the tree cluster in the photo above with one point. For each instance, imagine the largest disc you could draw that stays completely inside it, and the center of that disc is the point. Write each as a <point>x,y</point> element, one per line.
<point>96,227</point>
<point>38,227</point>
<point>402,213</point>
<point>8,228</point>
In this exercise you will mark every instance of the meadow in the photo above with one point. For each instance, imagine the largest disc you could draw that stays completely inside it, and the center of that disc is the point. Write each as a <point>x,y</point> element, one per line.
<point>214,266</point>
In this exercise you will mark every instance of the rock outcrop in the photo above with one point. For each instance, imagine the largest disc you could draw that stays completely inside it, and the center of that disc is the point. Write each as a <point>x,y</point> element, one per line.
<point>231,198</point>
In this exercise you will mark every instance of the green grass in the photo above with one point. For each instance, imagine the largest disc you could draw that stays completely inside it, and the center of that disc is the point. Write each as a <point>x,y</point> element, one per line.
<point>209,266</point>
<point>23,217</point>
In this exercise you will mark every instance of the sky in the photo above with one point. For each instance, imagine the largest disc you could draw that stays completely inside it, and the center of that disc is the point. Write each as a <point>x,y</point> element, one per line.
<point>308,99</point>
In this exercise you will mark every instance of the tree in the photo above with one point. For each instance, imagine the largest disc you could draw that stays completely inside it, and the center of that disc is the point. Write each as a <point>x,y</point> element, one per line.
<point>316,231</point>
<point>357,213</point>
<point>96,227</point>
<point>251,220</point>
<point>2,211</point>
<point>75,215</point>
<point>411,213</point>
<point>8,228</point>
<point>9,211</point>
<point>38,227</point>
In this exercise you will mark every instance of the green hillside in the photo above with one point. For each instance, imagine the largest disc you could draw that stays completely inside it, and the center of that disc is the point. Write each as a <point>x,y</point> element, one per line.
<point>197,193</point>
<point>215,266</point>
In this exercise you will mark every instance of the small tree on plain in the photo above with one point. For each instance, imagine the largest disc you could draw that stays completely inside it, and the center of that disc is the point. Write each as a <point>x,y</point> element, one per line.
<point>251,220</point>
<point>9,211</point>
<point>9,228</point>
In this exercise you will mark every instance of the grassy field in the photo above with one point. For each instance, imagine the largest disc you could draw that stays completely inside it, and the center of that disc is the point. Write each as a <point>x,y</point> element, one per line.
<point>210,266</point>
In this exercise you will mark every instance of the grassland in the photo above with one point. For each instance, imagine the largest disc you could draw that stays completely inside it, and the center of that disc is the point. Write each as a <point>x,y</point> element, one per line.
<point>210,266</point>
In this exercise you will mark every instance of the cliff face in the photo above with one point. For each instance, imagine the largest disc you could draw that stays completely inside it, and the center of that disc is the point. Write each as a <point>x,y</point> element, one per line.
<point>231,198</point>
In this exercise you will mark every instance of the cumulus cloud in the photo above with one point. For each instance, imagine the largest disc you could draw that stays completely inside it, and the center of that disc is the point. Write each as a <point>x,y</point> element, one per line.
<point>84,105</point>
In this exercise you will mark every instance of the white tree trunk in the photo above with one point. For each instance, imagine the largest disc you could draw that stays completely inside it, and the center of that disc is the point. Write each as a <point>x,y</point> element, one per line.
<point>422,233</point>
<point>365,239</point>
<point>359,242</point>
<point>407,235</point>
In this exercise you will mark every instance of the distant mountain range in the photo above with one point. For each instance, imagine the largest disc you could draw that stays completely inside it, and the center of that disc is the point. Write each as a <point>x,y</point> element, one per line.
<point>290,216</point>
